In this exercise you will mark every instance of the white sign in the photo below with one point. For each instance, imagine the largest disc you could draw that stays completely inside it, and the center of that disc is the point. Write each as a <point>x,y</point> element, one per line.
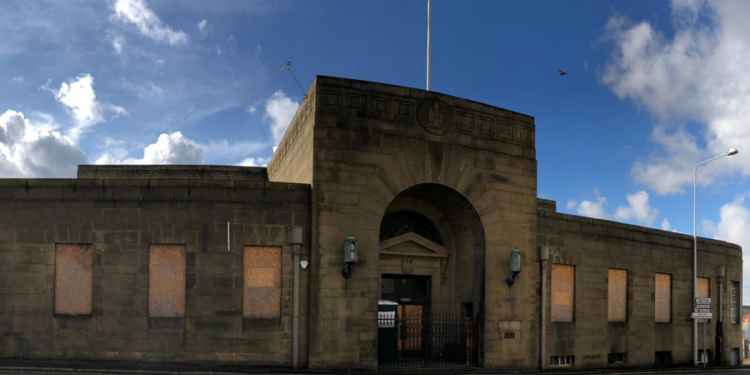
<point>703,301</point>
<point>386,319</point>
<point>699,315</point>
<point>702,310</point>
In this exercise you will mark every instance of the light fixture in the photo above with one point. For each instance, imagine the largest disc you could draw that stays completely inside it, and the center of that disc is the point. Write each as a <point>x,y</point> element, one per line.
<point>515,266</point>
<point>350,256</point>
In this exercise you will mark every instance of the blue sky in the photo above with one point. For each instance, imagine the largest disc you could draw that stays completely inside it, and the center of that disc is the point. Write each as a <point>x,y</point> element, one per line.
<point>652,87</point>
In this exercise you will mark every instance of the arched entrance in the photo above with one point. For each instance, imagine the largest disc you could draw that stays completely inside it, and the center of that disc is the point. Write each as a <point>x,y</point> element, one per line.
<point>431,266</point>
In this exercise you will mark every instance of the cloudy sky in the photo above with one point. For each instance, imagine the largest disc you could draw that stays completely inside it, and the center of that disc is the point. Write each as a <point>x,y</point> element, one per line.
<point>652,88</point>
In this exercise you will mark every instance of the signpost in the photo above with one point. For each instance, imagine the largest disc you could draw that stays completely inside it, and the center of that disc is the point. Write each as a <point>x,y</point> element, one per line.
<point>702,309</point>
<point>702,314</point>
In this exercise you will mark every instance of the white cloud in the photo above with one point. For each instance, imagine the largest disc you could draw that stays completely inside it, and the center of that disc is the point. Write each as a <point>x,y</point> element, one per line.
<point>696,75</point>
<point>175,148</point>
<point>147,90</point>
<point>137,12</point>
<point>251,109</point>
<point>118,43</point>
<point>254,162</point>
<point>571,204</point>
<point>638,209</point>
<point>169,148</point>
<point>666,225</point>
<point>734,226</point>
<point>203,26</point>
<point>35,149</point>
<point>280,110</point>
<point>226,151</point>
<point>669,172</point>
<point>593,208</point>
<point>79,98</point>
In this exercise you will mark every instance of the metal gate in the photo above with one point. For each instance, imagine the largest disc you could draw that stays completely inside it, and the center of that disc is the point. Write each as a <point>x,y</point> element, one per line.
<point>408,339</point>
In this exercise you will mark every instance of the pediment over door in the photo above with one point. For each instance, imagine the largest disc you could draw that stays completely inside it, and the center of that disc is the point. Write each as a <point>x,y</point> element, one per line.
<point>412,245</point>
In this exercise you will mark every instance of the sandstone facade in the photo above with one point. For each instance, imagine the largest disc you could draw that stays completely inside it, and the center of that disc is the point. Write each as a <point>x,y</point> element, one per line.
<point>365,160</point>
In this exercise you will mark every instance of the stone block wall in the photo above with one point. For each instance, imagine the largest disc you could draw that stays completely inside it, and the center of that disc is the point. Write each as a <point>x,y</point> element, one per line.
<point>373,141</point>
<point>593,246</point>
<point>121,217</point>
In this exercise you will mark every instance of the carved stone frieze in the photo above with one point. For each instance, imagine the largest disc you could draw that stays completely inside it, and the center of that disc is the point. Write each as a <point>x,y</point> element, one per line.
<point>433,113</point>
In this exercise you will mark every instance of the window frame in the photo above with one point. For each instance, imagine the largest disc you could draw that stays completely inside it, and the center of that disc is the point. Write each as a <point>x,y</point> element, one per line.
<point>708,279</point>
<point>572,293</point>
<point>149,312</point>
<point>737,305</point>
<point>671,295</point>
<point>55,293</point>
<point>280,272</point>
<point>627,290</point>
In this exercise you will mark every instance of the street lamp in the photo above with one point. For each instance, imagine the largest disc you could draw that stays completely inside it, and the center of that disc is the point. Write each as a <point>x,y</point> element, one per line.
<point>731,152</point>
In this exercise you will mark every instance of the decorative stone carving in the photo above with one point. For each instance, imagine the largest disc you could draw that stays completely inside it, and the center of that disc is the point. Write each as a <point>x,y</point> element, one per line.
<point>432,113</point>
<point>433,116</point>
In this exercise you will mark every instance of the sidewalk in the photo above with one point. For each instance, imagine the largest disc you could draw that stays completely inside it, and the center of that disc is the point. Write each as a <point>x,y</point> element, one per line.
<point>78,367</point>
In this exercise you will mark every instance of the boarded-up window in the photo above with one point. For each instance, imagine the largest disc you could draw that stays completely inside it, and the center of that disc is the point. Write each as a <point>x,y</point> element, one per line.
<point>735,301</point>
<point>704,287</point>
<point>618,295</point>
<point>73,279</point>
<point>166,285</point>
<point>262,292</point>
<point>563,281</point>
<point>663,298</point>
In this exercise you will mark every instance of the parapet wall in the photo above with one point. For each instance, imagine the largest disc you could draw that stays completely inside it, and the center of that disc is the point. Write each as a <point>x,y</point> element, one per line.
<point>121,212</point>
<point>594,246</point>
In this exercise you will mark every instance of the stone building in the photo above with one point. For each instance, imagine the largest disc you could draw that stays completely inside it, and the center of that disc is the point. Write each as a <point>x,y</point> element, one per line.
<point>435,200</point>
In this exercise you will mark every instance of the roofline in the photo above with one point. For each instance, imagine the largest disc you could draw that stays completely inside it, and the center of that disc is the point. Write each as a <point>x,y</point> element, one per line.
<point>431,92</point>
<point>641,229</point>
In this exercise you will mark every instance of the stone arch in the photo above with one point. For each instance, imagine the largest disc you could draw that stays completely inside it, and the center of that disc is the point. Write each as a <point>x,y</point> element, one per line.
<point>449,256</point>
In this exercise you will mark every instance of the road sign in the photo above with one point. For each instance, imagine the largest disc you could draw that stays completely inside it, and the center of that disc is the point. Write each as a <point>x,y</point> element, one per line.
<point>702,310</point>
<point>702,301</point>
<point>698,315</point>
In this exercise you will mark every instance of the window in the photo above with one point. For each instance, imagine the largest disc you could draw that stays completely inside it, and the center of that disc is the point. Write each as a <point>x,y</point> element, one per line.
<point>704,287</point>
<point>73,279</point>
<point>262,290</point>
<point>662,298</point>
<point>166,285</point>
<point>563,285</point>
<point>735,301</point>
<point>617,284</point>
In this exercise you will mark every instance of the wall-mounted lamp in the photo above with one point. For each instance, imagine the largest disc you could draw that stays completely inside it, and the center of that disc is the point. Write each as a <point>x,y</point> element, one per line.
<point>350,256</point>
<point>515,266</point>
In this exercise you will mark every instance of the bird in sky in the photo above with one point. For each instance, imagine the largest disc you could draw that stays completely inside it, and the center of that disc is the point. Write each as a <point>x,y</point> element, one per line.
<point>562,72</point>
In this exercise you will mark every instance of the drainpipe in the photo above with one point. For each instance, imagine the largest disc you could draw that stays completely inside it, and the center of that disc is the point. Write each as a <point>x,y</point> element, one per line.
<point>719,343</point>
<point>543,257</point>
<point>296,243</point>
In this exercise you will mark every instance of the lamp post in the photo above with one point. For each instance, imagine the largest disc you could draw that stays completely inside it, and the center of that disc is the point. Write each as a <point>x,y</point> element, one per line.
<point>732,151</point>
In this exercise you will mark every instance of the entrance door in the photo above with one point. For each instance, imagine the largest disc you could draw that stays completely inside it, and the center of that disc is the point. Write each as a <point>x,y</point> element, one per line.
<point>412,294</point>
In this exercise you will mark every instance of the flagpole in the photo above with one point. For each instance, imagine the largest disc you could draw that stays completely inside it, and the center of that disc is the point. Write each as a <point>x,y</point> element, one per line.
<point>429,42</point>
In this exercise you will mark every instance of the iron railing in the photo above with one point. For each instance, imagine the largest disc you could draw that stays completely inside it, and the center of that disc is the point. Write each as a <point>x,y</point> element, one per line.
<point>439,340</point>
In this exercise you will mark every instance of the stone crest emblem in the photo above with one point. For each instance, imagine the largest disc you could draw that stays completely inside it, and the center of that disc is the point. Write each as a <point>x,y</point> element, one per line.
<point>433,115</point>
